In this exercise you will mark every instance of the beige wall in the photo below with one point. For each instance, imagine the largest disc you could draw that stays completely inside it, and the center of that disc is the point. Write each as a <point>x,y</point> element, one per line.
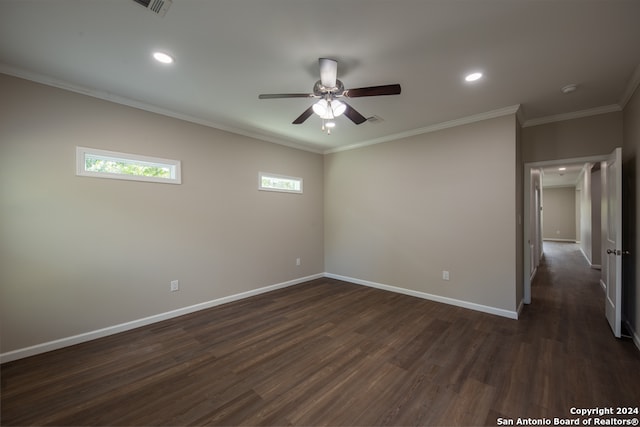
<point>584,137</point>
<point>631,213</point>
<point>559,213</point>
<point>400,213</point>
<point>79,254</point>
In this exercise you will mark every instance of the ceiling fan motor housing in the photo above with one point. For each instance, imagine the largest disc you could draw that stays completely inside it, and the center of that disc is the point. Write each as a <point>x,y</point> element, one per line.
<point>321,91</point>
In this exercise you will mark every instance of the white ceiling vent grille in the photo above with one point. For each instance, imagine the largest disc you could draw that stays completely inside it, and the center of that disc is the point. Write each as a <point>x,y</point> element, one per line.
<point>159,7</point>
<point>374,119</point>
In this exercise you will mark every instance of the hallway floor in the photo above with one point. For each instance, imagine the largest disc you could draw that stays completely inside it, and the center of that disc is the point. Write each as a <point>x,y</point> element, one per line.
<point>567,310</point>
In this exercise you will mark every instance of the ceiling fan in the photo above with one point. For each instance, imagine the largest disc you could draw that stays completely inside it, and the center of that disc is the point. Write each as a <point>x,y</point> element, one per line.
<point>329,89</point>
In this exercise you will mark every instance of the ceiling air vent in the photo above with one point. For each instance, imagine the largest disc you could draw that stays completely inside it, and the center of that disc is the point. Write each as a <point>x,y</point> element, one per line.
<point>159,7</point>
<point>374,119</point>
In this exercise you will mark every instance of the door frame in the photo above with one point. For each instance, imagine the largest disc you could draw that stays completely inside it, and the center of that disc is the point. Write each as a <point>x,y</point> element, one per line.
<point>527,209</point>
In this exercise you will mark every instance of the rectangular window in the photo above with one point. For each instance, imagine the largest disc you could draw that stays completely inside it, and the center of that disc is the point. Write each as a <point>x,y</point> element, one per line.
<point>273,182</point>
<point>110,164</point>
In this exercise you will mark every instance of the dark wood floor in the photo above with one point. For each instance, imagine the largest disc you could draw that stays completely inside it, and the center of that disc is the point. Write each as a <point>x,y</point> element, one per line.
<point>333,353</point>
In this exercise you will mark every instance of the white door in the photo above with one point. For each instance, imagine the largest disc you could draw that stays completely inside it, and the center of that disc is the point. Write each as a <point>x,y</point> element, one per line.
<point>612,239</point>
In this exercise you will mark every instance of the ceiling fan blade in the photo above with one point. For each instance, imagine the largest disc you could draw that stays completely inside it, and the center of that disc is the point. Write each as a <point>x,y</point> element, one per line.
<point>373,91</point>
<point>328,72</point>
<point>304,116</point>
<point>285,95</point>
<point>353,115</point>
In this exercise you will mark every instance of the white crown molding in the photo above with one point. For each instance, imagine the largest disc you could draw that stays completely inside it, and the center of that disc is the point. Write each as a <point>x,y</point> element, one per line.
<point>107,96</point>
<point>432,128</point>
<point>573,115</point>
<point>49,81</point>
<point>632,85</point>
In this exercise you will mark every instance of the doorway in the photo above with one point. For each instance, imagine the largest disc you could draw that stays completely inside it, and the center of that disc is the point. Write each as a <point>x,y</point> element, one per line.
<point>534,217</point>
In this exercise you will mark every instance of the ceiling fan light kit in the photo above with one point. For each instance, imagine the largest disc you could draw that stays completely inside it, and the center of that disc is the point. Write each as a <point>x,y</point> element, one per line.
<point>328,89</point>
<point>329,109</point>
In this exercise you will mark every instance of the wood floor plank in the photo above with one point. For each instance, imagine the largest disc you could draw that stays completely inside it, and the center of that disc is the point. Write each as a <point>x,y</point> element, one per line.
<point>471,406</point>
<point>328,352</point>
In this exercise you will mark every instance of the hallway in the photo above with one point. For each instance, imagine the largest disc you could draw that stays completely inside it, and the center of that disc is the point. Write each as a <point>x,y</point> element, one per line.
<point>567,310</point>
<point>565,280</point>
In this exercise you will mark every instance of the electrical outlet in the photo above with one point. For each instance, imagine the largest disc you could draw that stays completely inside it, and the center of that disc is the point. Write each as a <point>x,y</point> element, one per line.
<point>297,261</point>
<point>174,286</point>
<point>445,275</point>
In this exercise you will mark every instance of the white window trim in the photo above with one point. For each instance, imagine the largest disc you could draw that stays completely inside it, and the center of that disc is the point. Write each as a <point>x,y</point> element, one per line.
<point>278,190</point>
<point>81,153</point>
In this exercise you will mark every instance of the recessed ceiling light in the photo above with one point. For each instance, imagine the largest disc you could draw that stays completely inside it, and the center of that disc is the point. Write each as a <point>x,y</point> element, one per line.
<point>562,169</point>
<point>163,57</point>
<point>569,88</point>
<point>473,77</point>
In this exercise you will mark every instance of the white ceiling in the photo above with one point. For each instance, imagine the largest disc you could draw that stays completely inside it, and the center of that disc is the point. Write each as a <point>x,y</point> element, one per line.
<point>552,176</point>
<point>229,51</point>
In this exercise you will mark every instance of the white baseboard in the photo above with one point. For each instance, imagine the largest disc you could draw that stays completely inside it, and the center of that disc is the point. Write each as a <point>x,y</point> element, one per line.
<point>533,274</point>
<point>634,334</point>
<point>519,309</point>
<point>636,338</point>
<point>111,330</point>
<point>424,295</point>
<point>584,255</point>
<point>594,266</point>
